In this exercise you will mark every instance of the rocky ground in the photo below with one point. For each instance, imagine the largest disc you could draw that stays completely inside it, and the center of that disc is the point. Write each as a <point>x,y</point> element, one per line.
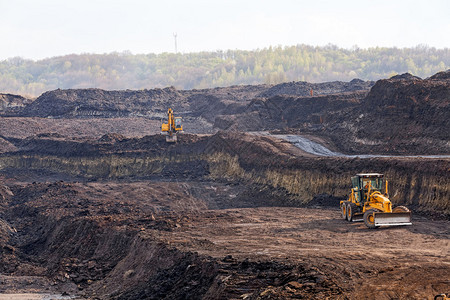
<point>95,204</point>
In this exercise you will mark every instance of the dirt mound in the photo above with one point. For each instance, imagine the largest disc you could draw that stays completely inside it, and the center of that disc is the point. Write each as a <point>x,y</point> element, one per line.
<point>98,103</point>
<point>390,92</point>
<point>402,111</point>
<point>304,89</point>
<point>405,76</point>
<point>283,112</point>
<point>444,75</point>
<point>10,104</point>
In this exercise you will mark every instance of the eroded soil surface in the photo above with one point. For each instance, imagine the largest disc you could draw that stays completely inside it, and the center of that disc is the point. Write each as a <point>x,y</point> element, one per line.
<point>209,239</point>
<point>94,204</point>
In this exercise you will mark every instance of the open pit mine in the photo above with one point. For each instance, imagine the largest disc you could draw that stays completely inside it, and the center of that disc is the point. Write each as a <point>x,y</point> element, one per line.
<point>97,203</point>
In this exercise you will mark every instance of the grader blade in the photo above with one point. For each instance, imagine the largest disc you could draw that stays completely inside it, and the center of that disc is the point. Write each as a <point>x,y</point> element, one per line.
<point>392,219</point>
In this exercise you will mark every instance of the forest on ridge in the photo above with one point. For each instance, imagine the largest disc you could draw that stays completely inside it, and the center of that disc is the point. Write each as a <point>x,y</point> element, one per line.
<point>124,70</point>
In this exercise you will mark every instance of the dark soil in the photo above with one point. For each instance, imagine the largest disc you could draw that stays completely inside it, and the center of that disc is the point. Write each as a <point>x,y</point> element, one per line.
<point>96,204</point>
<point>400,115</point>
<point>156,240</point>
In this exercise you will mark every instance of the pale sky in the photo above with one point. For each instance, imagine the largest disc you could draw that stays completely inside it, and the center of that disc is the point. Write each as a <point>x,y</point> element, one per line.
<point>36,29</point>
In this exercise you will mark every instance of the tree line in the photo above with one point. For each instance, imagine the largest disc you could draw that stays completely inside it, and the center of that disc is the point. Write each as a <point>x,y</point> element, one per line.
<point>271,65</point>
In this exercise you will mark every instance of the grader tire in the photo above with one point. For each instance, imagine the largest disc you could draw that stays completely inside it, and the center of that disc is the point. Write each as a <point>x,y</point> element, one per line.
<point>369,219</point>
<point>400,209</point>
<point>351,210</point>
<point>344,210</point>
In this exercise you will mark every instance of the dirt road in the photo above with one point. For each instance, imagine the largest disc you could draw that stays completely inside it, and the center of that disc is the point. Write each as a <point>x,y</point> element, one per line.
<point>408,262</point>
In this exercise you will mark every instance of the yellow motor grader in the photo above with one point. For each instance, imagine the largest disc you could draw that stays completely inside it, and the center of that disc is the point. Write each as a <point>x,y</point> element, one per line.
<point>367,203</point>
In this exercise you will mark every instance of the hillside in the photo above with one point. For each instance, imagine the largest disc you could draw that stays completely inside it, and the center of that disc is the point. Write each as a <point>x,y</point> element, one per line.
<point>119,71</point>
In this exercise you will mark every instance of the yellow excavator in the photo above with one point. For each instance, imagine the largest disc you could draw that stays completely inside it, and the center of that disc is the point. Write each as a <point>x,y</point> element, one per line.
<point>172,127</point>
<point>367,203</point>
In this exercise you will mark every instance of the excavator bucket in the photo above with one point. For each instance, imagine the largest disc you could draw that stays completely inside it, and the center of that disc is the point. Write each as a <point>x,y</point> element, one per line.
<point>392,219</point>
<point>171,138</point>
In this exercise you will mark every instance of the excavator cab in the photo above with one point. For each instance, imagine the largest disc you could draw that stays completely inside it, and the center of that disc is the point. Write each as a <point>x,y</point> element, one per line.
<point>178,125</point>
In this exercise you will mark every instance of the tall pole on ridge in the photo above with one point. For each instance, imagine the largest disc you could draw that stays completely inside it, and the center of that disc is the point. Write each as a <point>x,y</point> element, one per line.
<point>175,37</point>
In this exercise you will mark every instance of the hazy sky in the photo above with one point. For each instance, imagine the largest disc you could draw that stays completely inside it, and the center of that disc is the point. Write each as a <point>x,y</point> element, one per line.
<point>43,28</point>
